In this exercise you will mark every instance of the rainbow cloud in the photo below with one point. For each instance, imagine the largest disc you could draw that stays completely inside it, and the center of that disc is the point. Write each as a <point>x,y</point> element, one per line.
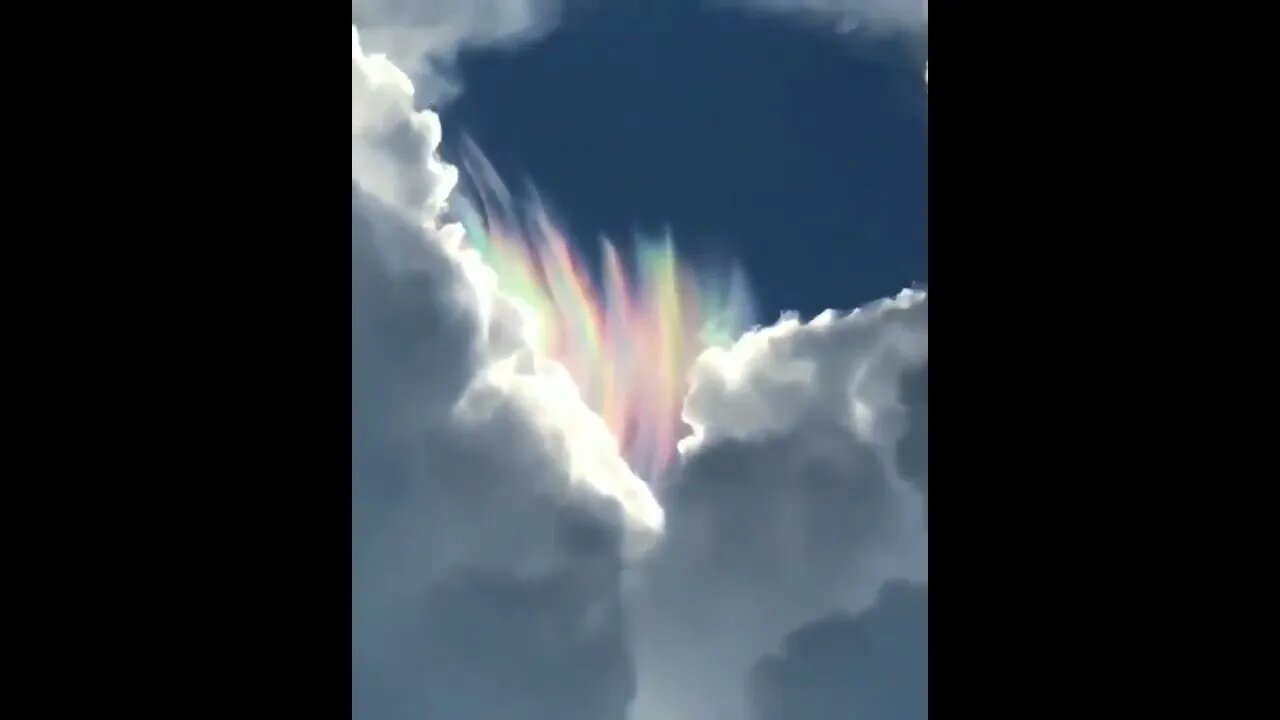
<point>627,334</point>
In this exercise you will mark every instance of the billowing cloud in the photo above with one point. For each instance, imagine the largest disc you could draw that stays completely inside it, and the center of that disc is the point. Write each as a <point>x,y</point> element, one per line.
<point>800,495</point>
<point>491,510</point>
<point>871,666</point>
<point>424,36</point>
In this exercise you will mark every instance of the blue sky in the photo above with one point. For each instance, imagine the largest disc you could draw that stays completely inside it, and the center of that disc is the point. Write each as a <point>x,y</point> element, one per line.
<point>803,153</point>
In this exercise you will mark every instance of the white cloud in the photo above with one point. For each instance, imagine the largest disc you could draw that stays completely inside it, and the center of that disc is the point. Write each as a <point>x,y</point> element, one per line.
<point>478,474</point>
<point>761,386</point>
<point>799,496</point>
<point>424,36</point>
<point>394,164</point>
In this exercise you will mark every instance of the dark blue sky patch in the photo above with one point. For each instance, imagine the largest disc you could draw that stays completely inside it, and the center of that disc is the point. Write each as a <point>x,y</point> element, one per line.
<point>803,153</point>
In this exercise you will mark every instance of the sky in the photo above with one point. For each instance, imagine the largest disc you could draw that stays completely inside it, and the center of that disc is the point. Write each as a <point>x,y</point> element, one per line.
<point>803,152</point>
<point>571,500</point>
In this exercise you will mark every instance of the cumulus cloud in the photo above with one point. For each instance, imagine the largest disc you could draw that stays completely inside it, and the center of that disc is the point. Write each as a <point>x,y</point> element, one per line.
<point>423,37</point>
<point>491,512</point>
<point>800,495</point>
<point>872,665</point>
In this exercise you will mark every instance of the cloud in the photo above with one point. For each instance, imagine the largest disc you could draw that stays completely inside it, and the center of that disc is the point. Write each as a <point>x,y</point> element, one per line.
<point>845,15</point>
<point>400,187</point>
<point>901,17</point>
<point>423,37</point>
<point>872,666</point>
<point>491,512</point>
<point>801,493</point>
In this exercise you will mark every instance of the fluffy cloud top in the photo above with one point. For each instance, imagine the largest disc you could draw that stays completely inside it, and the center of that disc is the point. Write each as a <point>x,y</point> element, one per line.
<point>840,368</point>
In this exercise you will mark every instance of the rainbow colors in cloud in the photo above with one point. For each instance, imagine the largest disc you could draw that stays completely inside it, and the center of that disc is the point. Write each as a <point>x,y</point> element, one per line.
<point>628,333</point>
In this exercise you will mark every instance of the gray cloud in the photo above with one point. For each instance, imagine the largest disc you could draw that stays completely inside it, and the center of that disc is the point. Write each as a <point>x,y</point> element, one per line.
<point>800,495</point>
<point>871,666</point>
